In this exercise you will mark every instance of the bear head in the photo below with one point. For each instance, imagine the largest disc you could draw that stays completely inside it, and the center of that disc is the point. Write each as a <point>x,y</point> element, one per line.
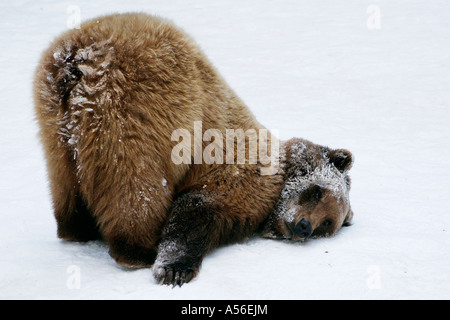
<point>314,201</point>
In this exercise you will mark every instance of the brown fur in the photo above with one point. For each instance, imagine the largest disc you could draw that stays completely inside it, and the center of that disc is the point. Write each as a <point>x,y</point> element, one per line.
<point>108,97</point>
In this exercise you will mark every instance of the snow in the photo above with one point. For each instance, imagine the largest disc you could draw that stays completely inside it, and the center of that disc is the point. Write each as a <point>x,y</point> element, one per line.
<point>369,76</point>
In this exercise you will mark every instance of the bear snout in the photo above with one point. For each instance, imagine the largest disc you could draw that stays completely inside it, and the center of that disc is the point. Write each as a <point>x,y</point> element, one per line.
<point>303,229</point>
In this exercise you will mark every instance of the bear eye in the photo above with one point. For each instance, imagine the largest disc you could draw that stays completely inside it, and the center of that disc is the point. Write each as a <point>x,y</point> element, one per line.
<point>327,223</point>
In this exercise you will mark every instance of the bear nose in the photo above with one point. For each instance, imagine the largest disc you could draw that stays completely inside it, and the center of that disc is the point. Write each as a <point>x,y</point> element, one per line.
<point>303,229</point>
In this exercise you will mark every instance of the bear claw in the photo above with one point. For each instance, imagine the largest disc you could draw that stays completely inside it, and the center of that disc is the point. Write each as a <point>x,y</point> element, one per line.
<point>174,274</point>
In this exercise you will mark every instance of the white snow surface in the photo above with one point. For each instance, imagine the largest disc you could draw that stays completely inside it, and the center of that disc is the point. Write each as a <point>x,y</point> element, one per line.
<point>311,69</point>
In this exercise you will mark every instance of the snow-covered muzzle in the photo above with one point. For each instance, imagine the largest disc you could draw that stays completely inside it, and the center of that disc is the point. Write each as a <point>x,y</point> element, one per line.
<point>314,201</point>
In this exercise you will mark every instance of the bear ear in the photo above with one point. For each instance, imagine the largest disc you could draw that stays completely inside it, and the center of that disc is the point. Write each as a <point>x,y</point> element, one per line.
<point>342,159</point>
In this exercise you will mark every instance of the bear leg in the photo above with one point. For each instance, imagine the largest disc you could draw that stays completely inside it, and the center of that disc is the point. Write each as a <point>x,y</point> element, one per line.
<point>74,220</point>
<point>199,222</point>
<point>131,220</point>
<point>129,254</point>
<point>185,241</point>
<point>77,224</point>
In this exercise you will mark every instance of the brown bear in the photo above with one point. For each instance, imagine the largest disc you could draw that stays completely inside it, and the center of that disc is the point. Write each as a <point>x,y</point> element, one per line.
<point>109,97</point>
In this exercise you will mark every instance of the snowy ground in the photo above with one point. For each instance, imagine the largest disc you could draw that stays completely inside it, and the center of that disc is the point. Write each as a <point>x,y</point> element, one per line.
<point>329,71</point>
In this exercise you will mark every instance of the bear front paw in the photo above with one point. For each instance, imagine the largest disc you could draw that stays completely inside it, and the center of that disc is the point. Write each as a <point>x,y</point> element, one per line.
<point>175,274</point>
